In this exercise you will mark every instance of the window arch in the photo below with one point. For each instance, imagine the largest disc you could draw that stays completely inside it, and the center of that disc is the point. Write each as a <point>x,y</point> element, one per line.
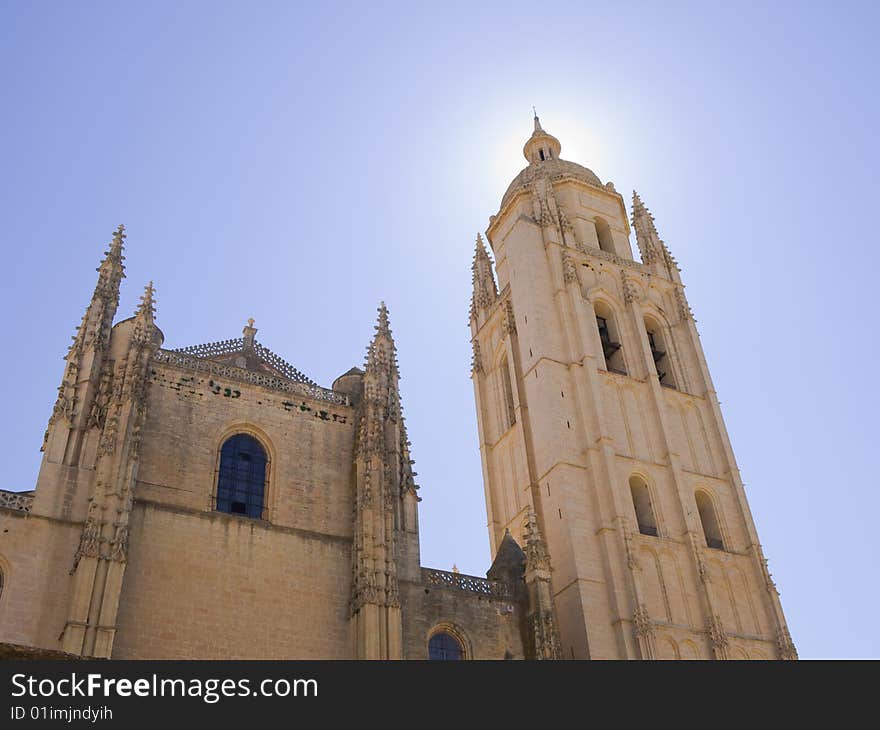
<point>709,521</point>
<point>445,646</point>
<point>610,338</point>
<point>603,235</point>
<point>659,352</point>
<point>641,498</point>
<point>507,393</point>
<point>241,478</point>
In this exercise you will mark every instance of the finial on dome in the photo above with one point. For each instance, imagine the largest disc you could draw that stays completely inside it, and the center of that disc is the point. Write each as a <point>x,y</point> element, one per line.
<point>538,127</point>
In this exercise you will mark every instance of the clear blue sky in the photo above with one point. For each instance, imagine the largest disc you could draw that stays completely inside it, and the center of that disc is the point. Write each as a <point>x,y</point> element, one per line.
<point>297,163</point>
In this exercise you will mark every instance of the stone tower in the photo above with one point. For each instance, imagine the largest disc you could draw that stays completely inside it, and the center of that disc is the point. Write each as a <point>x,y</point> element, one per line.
<point>596,412</point>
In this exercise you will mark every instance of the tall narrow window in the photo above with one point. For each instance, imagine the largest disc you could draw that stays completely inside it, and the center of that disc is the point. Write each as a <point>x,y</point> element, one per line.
<point>611,349</point>
<point>509,408</point>
<point>603,234</point>
<point>241,482</point>
<point>444,646</point>
<point>1,582</point>
<point>659,353</point>
<point>709,520</point>
<point>642,504</point>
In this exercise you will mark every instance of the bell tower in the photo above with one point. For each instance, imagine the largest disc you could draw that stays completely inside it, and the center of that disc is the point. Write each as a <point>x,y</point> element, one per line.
<point>596,412</point>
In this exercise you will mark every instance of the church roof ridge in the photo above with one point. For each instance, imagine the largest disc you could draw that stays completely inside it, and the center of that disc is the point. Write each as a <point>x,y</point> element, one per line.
<point>212,350</point>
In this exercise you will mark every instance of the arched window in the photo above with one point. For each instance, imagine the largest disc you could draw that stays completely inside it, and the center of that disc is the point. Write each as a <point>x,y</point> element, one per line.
<point>659,352</point>
<point>509,408</point>
<point>444,646</point>
<point>642,504</point>
<point>603,234</point>
<point>241,482</point>
<point>709,520</point>
<point>610,339</point>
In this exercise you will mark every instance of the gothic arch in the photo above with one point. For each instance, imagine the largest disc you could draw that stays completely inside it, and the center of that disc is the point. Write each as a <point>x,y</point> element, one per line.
<point>604,294</point>
<point>446,627</point>
<point>250,429</point>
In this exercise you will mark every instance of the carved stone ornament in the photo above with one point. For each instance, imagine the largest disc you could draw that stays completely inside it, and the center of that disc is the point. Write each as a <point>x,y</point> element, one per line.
<point>477,361</point>
<point>119,544</point>
<point>564,222</point>
<point>89,541</point>
<point>537,557</point>
<point>547,645</point>
<point>508,323</point>
<point>701,563</point>
<point>643,623</point>
<point>715,630</point>
<point>681,304</point>
<point>632,292</point>
<point>569,269</point>
<point>632,560</point>
<point>785,648</point>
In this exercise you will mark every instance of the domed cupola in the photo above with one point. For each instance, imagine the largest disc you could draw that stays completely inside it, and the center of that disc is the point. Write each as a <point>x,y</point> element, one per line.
<point>541,146</point>
<point>542,151</point>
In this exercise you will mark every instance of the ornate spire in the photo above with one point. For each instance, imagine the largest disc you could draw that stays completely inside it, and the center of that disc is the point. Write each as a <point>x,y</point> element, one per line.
<point>651,247</point>
<point>147,308</point>
<point>382,354</point>
<point>382,327</point>
<point>98,319</point>
<point>485,290</point>
<point>646,231</point>
<point>383,478</point>
<point>145,316</point>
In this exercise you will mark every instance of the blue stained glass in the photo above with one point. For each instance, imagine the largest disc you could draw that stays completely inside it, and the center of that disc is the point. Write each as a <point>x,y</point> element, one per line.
<point>444,647</point>
<point>241,482</point>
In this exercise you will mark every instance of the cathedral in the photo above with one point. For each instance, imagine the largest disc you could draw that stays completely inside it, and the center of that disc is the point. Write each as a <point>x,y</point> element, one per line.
<point>213,502</point>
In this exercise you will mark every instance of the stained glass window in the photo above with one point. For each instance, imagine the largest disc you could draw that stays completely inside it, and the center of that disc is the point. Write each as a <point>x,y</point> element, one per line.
<point>242,480</point>
<point>444,647</point>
